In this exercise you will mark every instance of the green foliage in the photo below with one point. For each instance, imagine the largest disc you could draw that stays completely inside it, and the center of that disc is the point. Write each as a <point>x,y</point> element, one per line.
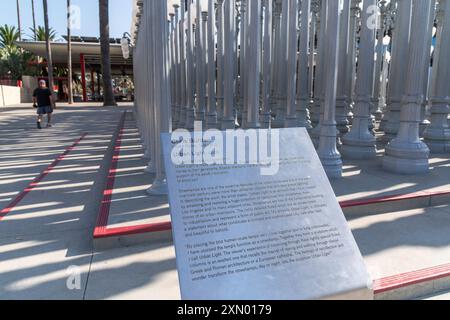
<point>8,36</point>
<point>40,34</point>
<point>15,63</point>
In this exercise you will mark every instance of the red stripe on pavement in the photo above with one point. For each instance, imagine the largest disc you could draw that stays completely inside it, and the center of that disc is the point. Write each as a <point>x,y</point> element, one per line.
<point>39,178</point>
<point>102,219</point>
<point>131,230</point>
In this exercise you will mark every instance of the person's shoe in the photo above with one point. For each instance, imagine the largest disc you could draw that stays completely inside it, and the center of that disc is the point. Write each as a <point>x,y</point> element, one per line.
<point>49,125</point>
<point>39,125</point>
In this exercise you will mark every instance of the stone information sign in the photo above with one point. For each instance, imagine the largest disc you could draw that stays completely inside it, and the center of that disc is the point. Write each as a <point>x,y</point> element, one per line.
<point>254,217</point>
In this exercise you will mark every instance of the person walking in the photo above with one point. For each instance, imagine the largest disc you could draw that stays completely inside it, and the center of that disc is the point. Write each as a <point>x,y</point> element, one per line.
<point>44,102</point>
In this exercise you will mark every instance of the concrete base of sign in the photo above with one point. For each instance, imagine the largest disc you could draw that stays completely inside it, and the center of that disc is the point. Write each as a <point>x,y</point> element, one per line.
<point>359,294</point>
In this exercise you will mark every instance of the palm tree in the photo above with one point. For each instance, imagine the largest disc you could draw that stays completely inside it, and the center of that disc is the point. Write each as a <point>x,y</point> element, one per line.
<point>108,94</point>
<point>18,20</point>
<point>69,57</point>
<point>34,19</point>
<point>39,34</point>
<point>8,36</point>
<point>49,49</point>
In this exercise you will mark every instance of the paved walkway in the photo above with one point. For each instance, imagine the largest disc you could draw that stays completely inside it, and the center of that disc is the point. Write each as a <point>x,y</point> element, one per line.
<point>130,205</point>
<point>362,180</point>
<point>418,239</point>
<point>50,229</point>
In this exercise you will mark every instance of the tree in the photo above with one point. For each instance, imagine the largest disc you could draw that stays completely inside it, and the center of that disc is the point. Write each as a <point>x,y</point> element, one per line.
<point>14,63</point>
<point>8,36</point>
<point>108,94</point>
<point>39,33</point>
<point>34,19</point>
<point>49,49</point>
<point>18,20</point>
<point>69,56</point>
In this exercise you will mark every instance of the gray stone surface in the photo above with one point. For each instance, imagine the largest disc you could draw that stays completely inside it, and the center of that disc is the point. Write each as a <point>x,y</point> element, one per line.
<point>130,204</point>
<point>36,251</point>
<point>51,228</point>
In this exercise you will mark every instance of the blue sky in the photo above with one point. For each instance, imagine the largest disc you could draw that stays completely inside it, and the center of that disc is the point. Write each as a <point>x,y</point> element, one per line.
<point>119,13</point>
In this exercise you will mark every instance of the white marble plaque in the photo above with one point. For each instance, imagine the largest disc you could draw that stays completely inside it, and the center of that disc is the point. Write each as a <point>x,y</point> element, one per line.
<point>241,232</point>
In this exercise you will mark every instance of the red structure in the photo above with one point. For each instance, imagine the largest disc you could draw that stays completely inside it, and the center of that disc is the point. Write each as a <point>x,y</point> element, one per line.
<point>83,76</point>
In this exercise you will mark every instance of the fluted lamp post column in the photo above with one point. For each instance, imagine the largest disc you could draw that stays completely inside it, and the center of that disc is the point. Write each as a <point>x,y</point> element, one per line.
<point>437,135</point>
<point>351,58</point>
<point>314,110</point>
<point>380,50</point>
<point>147,117</point>
<point>303,92</point>
<point>386,74</point>
<point>280,119</point>
<point>341,99</point>
<point>183,67</point>
<point>228,121</point>
<point>173,86</point>
<point>424,122</point>
<point>437,49</point>
<point>149,93</point>
<point>312,59</point>
<point>220,61</point>
<point>327,151</point>
<point>204,66</point>
<point>242,97</point>
<point>319,94</point>
<point>291,115</point>
<point>177,75</point>
<point>276,60</point>
<point>383,85</point>
<point>162,92</point>
<point>190,72</point>
<point>407,154</point>
<point>315,8</point>
<point>359,143</point>
<point>211,120</point>
<point>267,60</point>
<point>401,38</point>
<point>253,65</point>
<point>200,57</point>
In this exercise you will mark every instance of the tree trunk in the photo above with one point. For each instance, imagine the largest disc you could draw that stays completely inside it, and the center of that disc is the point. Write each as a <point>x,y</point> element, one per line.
<point>69,57</point>
<point>34,20</point>
<point>49,50</point>
<point>108,95</point>
<point>19,24</point>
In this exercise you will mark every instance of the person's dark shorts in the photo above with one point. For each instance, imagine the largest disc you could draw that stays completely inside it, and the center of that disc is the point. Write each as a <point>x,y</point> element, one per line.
<point>44,110</point>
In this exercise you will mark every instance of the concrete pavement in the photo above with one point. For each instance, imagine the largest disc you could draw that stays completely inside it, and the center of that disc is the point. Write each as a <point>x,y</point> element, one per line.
<point>50,230</point>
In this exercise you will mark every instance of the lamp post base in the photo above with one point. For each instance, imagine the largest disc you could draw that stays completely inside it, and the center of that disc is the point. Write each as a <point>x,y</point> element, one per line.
<point>158,188</point>
<point>406,157</point>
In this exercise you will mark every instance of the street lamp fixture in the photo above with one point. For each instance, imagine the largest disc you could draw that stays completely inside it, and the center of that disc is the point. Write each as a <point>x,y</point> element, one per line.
<point>125,42</point>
